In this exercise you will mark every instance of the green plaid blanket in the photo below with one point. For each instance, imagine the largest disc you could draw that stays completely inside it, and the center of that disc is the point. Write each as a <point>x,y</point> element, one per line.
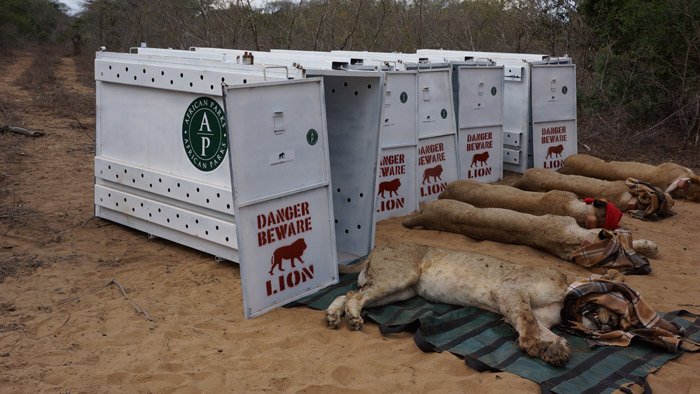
<point>487,343</point>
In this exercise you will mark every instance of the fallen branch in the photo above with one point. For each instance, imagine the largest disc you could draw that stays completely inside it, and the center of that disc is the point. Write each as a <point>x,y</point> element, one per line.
<point>113,281</point>
<point>22,131</point>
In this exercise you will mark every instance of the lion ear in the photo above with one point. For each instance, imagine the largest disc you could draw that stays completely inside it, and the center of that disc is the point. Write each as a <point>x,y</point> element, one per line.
<point>694,179</point>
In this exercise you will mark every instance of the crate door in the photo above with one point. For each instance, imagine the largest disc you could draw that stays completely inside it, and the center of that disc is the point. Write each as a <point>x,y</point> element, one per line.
<point>281,186</point>
<point>553,114</point>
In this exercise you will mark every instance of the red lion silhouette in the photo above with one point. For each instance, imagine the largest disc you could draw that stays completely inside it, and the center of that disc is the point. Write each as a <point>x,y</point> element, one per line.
<point>289,252</point>
<point>555,150</point>
<point>480,158</point>
<point>391,186</point>
<point>434,172</point>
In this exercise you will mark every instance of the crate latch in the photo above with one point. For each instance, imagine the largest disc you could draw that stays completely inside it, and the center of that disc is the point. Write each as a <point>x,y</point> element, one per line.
<point>278,122</point>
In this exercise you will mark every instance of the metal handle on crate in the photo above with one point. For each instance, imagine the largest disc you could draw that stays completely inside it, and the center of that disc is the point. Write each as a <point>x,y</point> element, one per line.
<point>286,71</point>
<point>389,63</point>
<point>485,60</point>
<point>429,63</point>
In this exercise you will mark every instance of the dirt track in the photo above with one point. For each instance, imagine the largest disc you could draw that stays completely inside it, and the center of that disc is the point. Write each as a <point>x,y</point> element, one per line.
<point>52,249</point>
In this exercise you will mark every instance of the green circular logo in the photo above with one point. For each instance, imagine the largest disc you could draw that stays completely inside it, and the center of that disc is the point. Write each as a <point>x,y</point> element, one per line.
<point>564,89</point>
<point>493,91</point>
<point>443,113</point>
<point>312,137</point>
<point>403,97</point>
<point>204,134</point>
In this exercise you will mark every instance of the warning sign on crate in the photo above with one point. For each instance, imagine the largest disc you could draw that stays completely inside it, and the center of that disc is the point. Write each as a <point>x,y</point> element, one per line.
<point>396,191</point>
<point>437,166</point>
<point>480,153</point>
<point>282,197</point>
<point>553,114</point>
<point>290,254</point>
<point>555,141</point>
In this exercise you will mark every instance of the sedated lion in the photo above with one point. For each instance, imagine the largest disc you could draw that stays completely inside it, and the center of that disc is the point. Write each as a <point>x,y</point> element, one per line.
<point>289,252</point>
<point>530,298</point>
<point>679,181</point>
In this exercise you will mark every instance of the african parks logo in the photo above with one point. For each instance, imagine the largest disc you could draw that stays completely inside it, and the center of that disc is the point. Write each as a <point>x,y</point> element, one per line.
<point>204,134</point>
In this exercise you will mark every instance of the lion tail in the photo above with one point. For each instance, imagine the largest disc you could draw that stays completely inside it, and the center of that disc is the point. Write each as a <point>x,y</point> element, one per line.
<point>353,267</point>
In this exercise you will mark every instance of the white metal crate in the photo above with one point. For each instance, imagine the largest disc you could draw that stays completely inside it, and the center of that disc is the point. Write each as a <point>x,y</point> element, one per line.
<point>539,123</point>
<point>140,155</point>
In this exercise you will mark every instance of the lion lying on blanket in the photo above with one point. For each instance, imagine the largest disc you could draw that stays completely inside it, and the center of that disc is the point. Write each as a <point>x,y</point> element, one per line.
<point>555,202</point>
<point>677,180</point>
<point>529,298</point>
<point>558,235</point>
<point>543,180</point>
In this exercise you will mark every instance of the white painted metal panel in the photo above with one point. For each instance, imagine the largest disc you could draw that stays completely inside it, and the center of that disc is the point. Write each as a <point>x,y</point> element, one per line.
<point>435,106</point>
<point>141,155</point>
<point>474,55</point>
<point>400,104</point>
<point>516,114</point>
<point>480,121</point>
<point>282,194</point>
<point>553,114</point>
<point>354,111</point>
<point>142,100</point>
<point>480,96</point>
<point>398,193</point>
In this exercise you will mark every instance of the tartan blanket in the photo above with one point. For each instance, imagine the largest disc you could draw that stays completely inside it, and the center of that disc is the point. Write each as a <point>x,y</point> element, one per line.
<point>651,203</point>
<point>487,343</point>
<point>613,250</point>
<point>637,320</point>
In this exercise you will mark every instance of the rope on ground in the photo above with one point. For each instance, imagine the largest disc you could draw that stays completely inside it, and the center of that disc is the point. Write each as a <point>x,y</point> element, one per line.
<point>111,282</point>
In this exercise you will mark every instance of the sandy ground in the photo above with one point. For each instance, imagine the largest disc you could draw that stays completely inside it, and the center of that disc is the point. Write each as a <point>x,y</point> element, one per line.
<point>52,249</point>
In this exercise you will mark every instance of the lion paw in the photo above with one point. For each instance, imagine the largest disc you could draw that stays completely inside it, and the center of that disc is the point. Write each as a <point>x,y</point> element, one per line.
<point>355,322</point>
<point>614,275</point>
<point>332,320</point>
<point>556,353</point>
<point>530,346</point>
<point>645,247</point>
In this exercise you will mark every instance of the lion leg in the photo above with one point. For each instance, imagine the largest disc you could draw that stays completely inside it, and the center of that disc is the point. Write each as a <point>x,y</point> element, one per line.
<point>556,350</point>
<point>614,275</point>
<point>380,291</point>
<point>645,247</point>
<point>335,311</point>
<point>550,348</point>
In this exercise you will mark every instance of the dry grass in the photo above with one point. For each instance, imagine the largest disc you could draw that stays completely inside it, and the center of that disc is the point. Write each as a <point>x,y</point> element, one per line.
<point>603,137</point>
<point>40,79</point>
